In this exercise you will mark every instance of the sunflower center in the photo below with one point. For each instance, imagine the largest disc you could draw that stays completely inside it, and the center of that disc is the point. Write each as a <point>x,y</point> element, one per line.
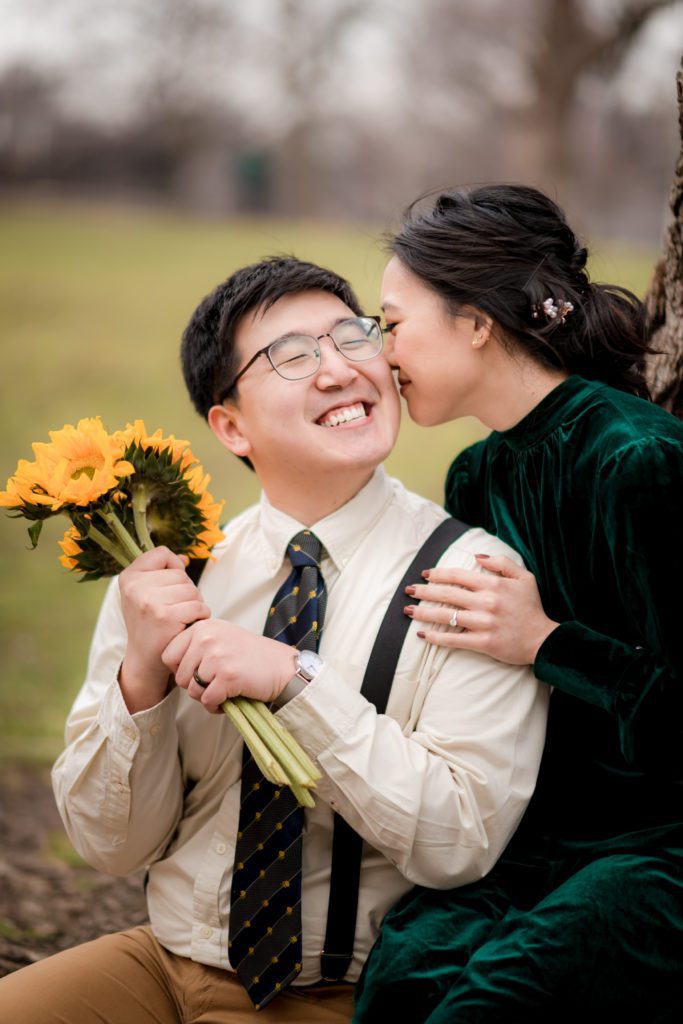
<point>87,465</point>
<point>88,471</point>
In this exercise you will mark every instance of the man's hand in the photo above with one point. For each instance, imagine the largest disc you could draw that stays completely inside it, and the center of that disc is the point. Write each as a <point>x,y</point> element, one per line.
<point>231,661</point>
<point>158,600</point>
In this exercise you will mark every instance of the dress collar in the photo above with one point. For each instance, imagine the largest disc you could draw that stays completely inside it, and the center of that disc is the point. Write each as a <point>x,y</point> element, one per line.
<point>558,406</point>
<point>339,533</point>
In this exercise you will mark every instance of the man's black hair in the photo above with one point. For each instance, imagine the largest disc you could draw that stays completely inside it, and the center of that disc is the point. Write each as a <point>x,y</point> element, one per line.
<point>208,351</point>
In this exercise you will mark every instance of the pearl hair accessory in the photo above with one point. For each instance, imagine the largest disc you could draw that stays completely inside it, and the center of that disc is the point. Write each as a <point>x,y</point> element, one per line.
<point>552,311</point>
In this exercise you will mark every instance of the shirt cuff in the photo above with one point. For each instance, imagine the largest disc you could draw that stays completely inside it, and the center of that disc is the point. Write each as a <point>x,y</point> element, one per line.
<point>584,664</point>
<point>325,710</point>
<point>145,730</point>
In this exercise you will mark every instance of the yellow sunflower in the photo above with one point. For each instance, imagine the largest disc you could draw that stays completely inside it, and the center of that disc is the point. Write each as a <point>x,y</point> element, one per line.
<point>25,488</point>
<point>210,533</point>
<point>79,465</point>
<point>136,434</point>
<point>71,548</point>
<point>123,492</point>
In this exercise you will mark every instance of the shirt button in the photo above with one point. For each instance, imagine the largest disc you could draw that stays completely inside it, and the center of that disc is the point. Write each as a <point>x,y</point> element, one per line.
<point>130,732</point>
<point>120,788</point>
<point>155,730</point>
<point>221,848</point>
<point>206,932</point>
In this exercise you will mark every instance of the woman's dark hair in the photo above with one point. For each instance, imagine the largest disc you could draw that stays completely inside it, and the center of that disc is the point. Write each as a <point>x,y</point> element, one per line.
<point>208,353</point>
<point>506,250</point>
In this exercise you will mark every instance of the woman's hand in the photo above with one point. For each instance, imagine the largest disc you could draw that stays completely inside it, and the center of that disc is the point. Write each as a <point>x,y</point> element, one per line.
<point>498,612</point>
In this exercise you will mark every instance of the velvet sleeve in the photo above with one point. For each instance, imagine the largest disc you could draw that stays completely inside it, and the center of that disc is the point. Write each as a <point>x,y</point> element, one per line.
<point>638,678</point>
<point>461,490</point>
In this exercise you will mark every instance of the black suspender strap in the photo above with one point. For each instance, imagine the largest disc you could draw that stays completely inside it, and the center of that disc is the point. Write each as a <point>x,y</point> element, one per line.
<point>347,845</point>
<point>379,674</point>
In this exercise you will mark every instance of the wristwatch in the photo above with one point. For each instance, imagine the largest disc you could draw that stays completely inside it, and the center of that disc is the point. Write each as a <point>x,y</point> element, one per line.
<point>306,667</point>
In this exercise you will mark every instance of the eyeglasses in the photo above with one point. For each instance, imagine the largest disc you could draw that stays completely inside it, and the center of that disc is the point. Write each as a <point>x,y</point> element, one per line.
<point>297,356</point>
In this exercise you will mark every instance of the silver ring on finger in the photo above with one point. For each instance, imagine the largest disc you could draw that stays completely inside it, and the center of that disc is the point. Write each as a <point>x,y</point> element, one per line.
<point>453,621</point>
<point>198,679</point>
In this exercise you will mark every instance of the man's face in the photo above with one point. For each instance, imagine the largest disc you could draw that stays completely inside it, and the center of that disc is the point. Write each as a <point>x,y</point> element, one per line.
<point>340,422</point>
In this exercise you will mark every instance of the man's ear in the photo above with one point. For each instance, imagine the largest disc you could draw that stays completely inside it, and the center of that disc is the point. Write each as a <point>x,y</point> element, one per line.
<point>226,422</point>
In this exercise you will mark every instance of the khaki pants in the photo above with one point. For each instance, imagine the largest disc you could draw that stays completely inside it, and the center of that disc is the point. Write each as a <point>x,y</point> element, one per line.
<point>128,978</point>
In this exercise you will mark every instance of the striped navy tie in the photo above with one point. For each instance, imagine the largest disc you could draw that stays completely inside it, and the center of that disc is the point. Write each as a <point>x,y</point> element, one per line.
<point>265,901</point>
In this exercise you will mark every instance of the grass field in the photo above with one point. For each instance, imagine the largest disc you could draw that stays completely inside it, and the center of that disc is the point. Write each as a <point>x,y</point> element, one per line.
<point>92,305</point>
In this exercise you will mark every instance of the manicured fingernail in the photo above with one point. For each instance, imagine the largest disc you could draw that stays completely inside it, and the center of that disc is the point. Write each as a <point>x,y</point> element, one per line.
<point>409,610</point>
<point>410,590</point>
<point>425,574</point>
<point>482,556</point>
<point>421,634</point>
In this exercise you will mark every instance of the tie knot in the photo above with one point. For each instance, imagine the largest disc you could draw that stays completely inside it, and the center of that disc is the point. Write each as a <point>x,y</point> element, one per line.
<point>304,549</point>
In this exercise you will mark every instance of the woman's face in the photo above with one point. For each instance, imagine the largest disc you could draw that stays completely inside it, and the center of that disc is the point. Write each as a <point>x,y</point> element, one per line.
<point>439,357</point>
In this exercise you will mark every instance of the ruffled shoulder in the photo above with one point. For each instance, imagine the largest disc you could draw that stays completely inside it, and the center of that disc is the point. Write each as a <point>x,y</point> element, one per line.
<point>463,485</point>
<point>647,471</point>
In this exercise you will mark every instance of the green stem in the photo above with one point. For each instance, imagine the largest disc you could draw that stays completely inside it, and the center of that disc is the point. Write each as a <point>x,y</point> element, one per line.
<point>264,759</point>
<point>264,728</point>
<point>140,503</point>
<point>110,547</point>
<point>292,745</point>
<point>302,795</point>
<point>120,532</point>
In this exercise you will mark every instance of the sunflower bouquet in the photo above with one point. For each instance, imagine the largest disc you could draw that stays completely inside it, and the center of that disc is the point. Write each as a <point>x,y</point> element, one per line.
<point>123,493</point>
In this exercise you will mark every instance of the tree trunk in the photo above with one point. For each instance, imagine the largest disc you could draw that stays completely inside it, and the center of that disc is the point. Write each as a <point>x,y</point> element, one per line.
<point>664,300</point>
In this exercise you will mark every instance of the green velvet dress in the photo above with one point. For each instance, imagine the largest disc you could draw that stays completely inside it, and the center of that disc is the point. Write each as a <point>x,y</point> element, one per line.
<point>583,914</point>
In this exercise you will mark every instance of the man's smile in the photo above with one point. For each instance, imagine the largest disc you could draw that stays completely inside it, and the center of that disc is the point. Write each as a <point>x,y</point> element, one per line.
<point>343,414</point>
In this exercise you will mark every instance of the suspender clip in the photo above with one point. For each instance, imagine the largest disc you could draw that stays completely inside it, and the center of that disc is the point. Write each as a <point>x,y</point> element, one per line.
<point>333,966</point>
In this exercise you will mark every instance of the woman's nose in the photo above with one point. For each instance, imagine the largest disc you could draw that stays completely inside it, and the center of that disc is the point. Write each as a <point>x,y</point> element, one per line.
<point>389,349</point>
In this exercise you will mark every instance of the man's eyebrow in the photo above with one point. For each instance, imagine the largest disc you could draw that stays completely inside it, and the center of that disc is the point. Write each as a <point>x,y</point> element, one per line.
<point>299,334</point>
<point>388,305</point>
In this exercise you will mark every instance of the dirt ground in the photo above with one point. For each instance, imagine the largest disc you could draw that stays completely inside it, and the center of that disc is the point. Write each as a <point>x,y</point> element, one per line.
<point>49,899</point>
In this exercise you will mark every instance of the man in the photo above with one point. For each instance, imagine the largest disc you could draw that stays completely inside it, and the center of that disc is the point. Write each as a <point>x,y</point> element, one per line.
<point>290,376</point>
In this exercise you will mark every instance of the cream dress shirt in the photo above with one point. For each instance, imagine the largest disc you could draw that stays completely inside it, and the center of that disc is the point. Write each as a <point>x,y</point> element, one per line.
<point>436,786</point>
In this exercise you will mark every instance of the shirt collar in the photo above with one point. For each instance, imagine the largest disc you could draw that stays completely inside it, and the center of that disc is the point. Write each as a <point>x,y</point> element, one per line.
<point>339,533</point>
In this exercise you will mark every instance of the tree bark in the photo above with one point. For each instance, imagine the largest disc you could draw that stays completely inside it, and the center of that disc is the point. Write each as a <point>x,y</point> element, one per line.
<point>664,300</point>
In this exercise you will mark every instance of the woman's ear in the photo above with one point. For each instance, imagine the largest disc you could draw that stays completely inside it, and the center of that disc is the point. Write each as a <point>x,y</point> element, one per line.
<point>482,329</point>
<point>226,422</point>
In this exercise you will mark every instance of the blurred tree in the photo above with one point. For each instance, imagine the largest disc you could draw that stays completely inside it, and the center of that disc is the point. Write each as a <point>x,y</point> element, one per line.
<point>350,107</point>
<point>664,301</point>
<point>303,45</point>
<point>571,42</point>
<point>181,127</point>
<point>522,72</point>
<point>28,120</point>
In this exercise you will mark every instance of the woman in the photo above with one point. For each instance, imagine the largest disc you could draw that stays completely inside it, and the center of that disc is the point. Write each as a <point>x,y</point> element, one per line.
<point>490,313</point>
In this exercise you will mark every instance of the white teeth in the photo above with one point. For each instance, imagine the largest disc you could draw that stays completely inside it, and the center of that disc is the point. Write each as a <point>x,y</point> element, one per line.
<point>350,412</point>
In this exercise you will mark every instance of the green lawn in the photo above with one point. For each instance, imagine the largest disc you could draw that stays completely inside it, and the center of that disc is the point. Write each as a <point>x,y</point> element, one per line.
<point>92,304</point>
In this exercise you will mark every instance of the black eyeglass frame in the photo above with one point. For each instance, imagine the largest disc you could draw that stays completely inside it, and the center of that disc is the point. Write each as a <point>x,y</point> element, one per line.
<point>265,351</point>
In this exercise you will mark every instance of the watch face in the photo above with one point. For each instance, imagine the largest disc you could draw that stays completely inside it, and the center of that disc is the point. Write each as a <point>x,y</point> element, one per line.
<point>310,663</point>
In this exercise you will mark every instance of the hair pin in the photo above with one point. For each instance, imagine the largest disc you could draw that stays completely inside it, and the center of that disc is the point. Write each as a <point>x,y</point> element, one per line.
<point>551,310</point>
